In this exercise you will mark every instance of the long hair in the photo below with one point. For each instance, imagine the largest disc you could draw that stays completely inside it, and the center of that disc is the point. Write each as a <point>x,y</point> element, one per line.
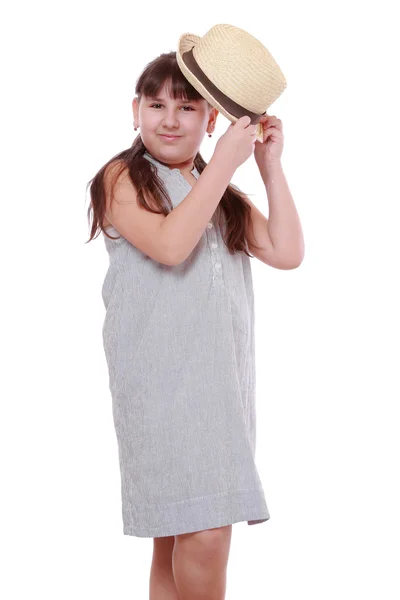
<point>232,208</point>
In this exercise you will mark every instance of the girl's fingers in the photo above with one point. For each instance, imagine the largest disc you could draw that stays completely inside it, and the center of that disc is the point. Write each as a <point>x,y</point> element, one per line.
<point>269,126</point>
<point>271,129</point>
<point>271,119</point>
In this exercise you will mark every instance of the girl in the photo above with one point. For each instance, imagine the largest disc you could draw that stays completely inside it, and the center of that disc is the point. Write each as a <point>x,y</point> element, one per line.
<point>179,327</point>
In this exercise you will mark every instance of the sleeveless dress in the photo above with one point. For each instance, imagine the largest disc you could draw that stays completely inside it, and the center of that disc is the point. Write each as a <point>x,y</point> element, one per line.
<point>179,345</point>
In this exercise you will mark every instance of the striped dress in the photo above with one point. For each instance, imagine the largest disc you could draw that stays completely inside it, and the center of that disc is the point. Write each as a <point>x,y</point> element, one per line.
<point>180,349</point>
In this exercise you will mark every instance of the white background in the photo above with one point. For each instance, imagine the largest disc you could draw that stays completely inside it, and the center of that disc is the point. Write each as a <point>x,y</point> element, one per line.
<point>327,333</point>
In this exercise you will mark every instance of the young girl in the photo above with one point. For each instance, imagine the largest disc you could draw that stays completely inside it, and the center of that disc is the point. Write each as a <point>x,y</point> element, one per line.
<point>179,329</point>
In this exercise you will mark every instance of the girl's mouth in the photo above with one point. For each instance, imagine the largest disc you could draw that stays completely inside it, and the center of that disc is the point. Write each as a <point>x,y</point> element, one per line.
<point>170,138</point>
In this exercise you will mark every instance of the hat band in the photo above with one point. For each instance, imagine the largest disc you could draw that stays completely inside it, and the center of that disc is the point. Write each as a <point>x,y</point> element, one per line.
<point>232,107</point>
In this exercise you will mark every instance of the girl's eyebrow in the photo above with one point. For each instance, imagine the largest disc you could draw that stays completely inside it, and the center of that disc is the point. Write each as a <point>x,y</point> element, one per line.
<point>153,98</point>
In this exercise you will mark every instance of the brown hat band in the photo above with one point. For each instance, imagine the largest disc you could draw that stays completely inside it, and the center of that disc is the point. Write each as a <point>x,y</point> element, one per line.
<point>229,105</point>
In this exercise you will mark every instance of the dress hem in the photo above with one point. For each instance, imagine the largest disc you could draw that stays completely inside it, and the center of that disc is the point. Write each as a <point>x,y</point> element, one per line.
<point>198,514</point>
<point>131,531</point>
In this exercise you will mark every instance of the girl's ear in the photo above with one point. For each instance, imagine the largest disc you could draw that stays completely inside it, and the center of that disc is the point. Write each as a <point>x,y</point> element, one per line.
<point>135,107</point>
<point>214,115</point>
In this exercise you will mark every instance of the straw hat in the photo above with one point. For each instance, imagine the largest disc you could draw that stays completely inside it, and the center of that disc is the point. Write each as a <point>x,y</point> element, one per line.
<point>233,71</point>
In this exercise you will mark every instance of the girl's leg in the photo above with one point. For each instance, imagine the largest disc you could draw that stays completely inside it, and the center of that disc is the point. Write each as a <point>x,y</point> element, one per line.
<point>162,584</point>
<point>199,562</point>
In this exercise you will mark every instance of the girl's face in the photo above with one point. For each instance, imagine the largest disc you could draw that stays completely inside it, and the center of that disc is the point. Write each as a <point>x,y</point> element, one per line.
<point>186,121</point>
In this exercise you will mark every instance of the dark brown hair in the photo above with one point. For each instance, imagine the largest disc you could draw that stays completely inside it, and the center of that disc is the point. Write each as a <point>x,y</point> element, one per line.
<point>232,207</point>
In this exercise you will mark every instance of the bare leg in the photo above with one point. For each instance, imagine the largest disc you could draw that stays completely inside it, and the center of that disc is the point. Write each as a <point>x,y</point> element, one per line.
<point>199,562</point>
<point>162,584</point>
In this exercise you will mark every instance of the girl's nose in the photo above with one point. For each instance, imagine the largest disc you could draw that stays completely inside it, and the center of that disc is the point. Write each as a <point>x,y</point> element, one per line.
<point>171,119</point>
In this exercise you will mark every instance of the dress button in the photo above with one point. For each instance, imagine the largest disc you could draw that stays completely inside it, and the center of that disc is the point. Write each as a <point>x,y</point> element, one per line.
<point>214,245</point>
<point>209,225</point>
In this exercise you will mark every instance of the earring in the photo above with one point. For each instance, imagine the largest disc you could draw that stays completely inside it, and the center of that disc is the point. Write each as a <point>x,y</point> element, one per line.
<point>210,134</point>
<point>135,128</point>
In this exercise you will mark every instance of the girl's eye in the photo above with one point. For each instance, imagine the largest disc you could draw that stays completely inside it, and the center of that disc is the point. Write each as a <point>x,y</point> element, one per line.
<point>157,104</point>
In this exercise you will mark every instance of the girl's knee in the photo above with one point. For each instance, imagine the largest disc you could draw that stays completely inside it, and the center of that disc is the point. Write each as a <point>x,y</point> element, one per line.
<point>207,542</point>
<point>163,548</point>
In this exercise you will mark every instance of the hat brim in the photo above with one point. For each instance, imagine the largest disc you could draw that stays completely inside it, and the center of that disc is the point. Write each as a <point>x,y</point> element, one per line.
<point>186,42</point>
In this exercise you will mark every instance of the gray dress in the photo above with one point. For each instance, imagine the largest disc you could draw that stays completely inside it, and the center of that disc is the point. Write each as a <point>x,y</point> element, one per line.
<point>179,344</point>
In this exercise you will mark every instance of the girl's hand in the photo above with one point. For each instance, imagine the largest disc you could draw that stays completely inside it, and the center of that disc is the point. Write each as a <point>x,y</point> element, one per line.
<point>237,143</point>
<point>270,149</point>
